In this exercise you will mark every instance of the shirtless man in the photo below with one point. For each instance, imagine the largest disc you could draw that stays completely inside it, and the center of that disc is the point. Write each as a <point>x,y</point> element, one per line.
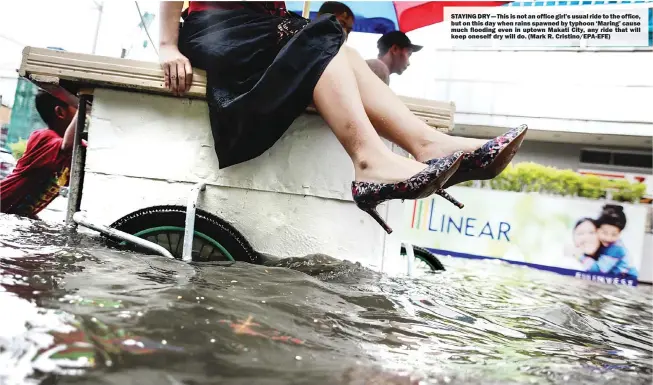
<point>395,49</point>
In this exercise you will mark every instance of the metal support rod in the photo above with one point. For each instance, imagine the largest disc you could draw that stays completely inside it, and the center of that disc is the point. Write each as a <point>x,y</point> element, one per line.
<point>189,230</point>
<point>81,219</point>
<point>77,167</point>
<point>306,11</point>
<point>410,255</point>
<point>100,10</point>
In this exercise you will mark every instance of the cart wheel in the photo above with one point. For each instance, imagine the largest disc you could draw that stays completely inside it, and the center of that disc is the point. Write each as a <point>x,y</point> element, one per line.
<point>214,239</point>
<point>425,257</point>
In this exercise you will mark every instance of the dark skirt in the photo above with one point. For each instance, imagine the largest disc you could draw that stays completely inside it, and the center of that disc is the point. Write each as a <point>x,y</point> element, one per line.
<point>261,73</point>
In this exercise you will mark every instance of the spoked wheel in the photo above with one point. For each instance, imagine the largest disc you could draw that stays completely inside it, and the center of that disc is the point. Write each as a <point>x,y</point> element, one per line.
<point>171,238</point>
<point>424,260</point>
<point>213,240</point>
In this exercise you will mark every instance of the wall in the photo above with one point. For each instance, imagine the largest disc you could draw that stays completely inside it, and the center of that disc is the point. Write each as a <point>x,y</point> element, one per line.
<point>567,156</point>
<point>559,155</point>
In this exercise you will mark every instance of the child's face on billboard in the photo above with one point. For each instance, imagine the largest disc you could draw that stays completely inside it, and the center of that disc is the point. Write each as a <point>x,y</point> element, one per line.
<point>608,234</point>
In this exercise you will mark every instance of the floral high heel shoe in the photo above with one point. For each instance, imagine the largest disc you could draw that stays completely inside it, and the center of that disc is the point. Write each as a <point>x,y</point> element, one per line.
<point>368,195</point>
<point>486,162</point>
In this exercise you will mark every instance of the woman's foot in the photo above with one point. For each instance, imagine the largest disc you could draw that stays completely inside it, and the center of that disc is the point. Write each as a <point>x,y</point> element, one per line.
<point>490,159</point>
<point>446,145</point>
<point>368,195</point>
<point>386,168</point>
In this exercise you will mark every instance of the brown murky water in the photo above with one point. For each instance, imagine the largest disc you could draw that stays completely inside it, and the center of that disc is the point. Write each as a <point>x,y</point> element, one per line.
<point>76,312</point>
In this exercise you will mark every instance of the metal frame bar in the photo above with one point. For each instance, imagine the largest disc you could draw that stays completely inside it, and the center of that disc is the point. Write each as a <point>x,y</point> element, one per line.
<point>410,255</point>
<point>51,85</point>
<point>77,166</point>
<point>73,215</point>
<point>189,229</point>
<point>306,11</point>
<point>81,219</point>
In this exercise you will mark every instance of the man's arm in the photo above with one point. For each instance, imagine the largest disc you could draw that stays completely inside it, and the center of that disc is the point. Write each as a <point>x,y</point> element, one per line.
<point>69,135</point>
<point>380,70</point>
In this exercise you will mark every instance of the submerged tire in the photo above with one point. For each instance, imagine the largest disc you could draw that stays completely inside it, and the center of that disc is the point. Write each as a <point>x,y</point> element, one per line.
<point>426,257</point>
<point>214,239</point>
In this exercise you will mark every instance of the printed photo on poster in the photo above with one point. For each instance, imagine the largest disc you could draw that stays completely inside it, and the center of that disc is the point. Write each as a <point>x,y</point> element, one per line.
<point>598,244</point>
<point>587,239</point>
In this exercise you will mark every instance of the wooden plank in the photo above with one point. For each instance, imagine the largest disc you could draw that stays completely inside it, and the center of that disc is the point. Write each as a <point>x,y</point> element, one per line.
<point>51,85</point>
<point>101,71</point>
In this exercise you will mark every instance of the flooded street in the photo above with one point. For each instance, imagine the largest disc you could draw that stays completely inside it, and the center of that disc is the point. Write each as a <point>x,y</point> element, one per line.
<point>77,312</point>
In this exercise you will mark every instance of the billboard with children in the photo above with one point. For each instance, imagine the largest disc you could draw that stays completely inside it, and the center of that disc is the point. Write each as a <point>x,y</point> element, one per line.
<point>588,239</point>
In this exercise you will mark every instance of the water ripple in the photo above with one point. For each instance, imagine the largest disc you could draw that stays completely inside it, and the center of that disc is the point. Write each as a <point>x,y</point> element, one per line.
<point>81,311</point>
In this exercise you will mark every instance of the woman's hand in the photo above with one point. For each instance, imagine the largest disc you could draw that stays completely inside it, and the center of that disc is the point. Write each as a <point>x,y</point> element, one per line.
<point>178,72</point>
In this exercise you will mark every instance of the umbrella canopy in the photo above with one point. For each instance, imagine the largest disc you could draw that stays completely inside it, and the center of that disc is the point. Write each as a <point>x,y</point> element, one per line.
<point>385,16</point>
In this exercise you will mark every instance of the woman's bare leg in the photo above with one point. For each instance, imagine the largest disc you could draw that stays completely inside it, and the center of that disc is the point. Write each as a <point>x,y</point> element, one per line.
<point>338,100</point>
<point>395,122</point>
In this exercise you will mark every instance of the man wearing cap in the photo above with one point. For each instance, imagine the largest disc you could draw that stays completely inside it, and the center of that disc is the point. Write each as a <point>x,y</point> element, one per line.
<point>395,49</point>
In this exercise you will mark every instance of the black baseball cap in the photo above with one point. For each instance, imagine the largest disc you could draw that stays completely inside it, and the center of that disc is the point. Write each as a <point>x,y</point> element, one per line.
<point>396,37</point>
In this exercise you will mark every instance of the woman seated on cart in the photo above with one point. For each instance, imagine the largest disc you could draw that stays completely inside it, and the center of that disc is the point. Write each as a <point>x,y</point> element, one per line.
<point>266,65</point>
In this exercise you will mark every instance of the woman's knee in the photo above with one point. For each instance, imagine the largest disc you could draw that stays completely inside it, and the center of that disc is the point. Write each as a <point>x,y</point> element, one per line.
<point>351,52</point>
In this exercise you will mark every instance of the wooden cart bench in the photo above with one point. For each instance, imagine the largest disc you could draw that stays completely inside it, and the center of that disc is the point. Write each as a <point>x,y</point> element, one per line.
<point>56,71</point>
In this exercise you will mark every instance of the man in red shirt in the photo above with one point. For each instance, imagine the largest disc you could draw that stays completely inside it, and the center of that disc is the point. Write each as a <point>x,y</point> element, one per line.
<point>45,166</point>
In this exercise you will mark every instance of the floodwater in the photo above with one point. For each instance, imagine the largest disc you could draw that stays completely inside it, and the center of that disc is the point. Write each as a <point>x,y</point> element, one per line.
<point>76,312</point>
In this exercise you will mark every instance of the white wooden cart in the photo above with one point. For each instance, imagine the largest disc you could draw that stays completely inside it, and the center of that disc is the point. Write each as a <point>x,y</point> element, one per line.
<point>150,170</point>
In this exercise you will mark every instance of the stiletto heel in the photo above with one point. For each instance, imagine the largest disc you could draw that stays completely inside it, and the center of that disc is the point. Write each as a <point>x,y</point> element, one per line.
<point>368,195</point>
<point>451,199</point>
<point>377,217</point>
<point>490,160</point>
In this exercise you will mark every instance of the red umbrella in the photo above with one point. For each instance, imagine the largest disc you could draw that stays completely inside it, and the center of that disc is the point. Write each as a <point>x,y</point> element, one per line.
<point>412,15</point>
